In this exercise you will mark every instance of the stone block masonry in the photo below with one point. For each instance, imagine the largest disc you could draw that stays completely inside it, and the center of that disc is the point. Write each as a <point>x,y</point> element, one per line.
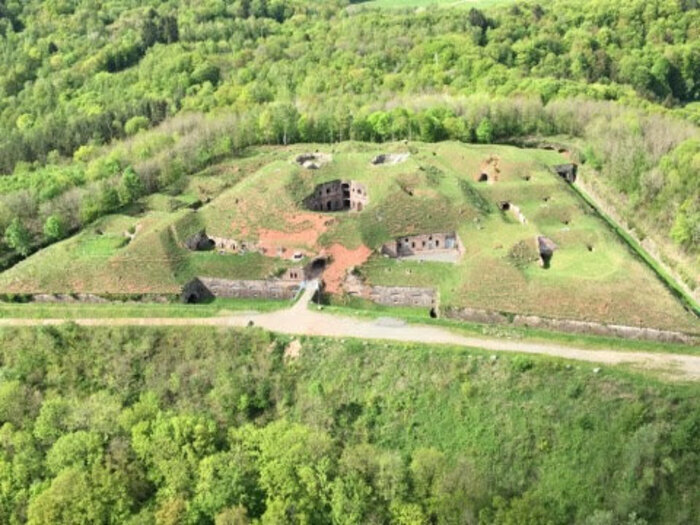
<point>422,246</point>
<point>203,288</point>
<point>403,296</point>
<point>338,195</point>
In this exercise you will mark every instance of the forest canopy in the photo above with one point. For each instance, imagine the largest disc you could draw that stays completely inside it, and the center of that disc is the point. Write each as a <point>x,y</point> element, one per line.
<point>172,426</point>
<point>82,83</point>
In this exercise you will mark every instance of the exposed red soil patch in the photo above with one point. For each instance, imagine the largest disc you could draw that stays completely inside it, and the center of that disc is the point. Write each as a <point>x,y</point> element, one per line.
<point>342,259</point>
<point>301,234</point>
<point>304,231</point>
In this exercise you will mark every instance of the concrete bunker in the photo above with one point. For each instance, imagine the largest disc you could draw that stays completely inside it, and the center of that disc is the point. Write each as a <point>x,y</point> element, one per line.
<point>195,292</point>
<point>567,172</point>
<point>445,247</point>
<point>546,248</point>
<point>389,158</point>
<point>312,161</point>
<point>338,195</point>
<point>199,242</point>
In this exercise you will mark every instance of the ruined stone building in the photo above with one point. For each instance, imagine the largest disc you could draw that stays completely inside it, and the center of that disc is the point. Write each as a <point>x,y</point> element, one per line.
<point>338,195</point>
<point>200,241</point>
<point>420,297</point>
<point>420,246</point>
<point>403,296</point>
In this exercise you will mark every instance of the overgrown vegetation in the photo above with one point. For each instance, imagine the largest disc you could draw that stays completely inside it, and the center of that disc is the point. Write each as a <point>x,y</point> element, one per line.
<point>79,77</point>
<point>195,425</point>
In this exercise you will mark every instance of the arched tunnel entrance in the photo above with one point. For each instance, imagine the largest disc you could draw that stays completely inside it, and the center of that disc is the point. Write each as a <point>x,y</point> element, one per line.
<point>315,268</point>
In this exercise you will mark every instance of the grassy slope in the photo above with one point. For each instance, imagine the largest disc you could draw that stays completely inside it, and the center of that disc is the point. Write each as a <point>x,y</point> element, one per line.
<point>434,190</point>
<point>607,284</point>
<point>535,425</point>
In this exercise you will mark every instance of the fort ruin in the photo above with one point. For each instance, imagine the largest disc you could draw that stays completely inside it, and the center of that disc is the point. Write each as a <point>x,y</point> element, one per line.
<point>202,289</point>
<point>338,195</point>
<point>444,247</point>
<point>200,241</point>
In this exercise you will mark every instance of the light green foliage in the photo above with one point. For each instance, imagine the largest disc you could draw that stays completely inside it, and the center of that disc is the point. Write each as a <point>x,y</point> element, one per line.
<point>130,187</point>
<point>333,440</point>
<point>17,237</point>
<point>54,228</point>
<point>78,449</point>
<point>76,496</point>
<point>135,124</point>
<point>13,403</point>
<point>484,132</point>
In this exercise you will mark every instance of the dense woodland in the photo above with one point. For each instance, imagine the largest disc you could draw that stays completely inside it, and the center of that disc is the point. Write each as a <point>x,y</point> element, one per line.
<point>79,76</point>
<point>139,426</point>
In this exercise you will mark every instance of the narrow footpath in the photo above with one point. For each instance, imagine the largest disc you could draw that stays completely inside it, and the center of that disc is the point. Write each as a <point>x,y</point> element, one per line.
<point>301,320</point>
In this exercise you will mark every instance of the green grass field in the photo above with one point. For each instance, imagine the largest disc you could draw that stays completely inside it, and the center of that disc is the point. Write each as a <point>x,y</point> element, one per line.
<point>216,308</point>
<point>593,276</point>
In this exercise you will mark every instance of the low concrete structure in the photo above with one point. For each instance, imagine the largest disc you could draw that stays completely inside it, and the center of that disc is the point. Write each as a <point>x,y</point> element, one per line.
<point>429,247</point>
<point>506,206</point>
<point>199,242</point>
<point>566,171</point>
<point>313,161</point>
<point>223,244</point>
<point>545,248</point>
<point>570,326</point>
<point>389,158</point>
<point>338,195</point>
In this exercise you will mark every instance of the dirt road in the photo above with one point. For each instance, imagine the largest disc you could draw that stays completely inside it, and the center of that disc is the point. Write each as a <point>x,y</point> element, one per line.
<point>300,320</point>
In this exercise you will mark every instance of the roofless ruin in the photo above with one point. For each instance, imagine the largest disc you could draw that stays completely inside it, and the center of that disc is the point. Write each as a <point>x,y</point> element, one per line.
<point>338,195</point>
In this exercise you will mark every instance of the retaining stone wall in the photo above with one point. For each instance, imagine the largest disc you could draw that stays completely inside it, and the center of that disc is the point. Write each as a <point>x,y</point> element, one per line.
<point>207,287</point>
<point>571,326</point>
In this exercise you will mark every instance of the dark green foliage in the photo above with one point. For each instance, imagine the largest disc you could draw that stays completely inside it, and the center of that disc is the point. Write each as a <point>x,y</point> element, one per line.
<point>136,425</point>
<point>484,132</point>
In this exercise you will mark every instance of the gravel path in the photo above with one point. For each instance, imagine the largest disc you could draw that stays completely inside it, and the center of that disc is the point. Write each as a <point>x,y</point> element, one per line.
<point>300,320</point>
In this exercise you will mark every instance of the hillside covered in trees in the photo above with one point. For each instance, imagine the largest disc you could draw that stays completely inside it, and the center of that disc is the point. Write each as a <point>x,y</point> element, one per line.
<point>621,78</point>
<point>176,426</point>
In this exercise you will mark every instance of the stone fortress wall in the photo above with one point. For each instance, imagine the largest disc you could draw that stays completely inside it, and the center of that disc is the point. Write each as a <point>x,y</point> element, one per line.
<point>338,195</point>
<point>204,288</point>
<point>403,296</point>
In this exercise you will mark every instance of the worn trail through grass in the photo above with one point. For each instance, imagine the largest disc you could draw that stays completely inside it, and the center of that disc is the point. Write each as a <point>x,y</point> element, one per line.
<point>300,320</point>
